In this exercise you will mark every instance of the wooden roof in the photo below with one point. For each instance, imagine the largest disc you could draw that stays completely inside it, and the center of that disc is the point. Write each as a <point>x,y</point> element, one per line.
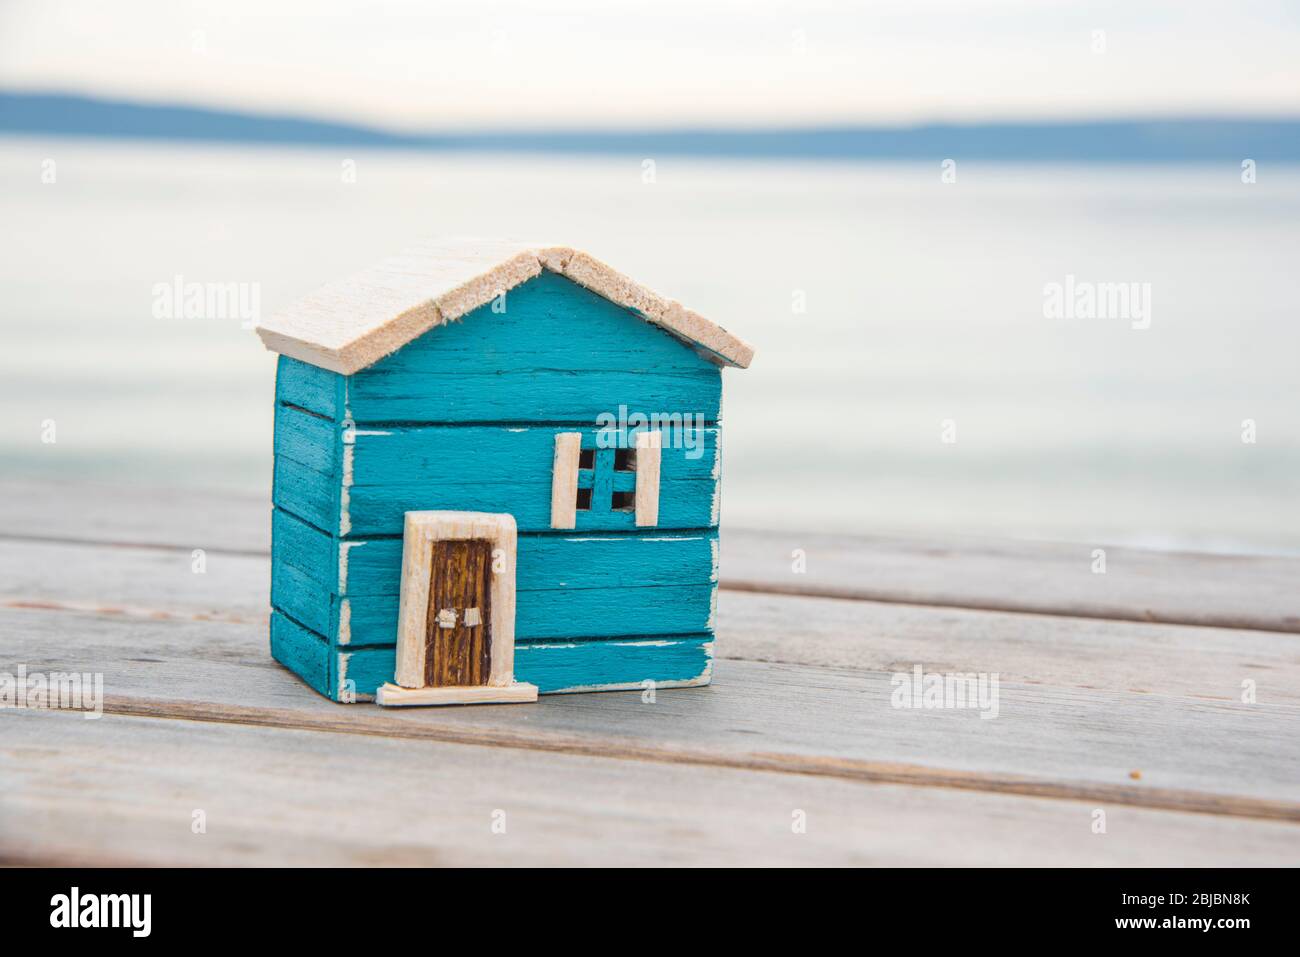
<point>351,324</point>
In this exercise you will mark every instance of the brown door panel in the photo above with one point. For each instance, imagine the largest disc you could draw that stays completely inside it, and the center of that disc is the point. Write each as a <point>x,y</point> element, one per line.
<point>457,653</point>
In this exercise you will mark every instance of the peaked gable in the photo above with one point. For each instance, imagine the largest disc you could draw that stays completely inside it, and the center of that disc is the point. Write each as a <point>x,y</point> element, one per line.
<point>349,325</point>
<point>557,353</point>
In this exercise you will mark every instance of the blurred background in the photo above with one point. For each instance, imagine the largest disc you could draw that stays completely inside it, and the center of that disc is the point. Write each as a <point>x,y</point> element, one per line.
<point>875,196</point>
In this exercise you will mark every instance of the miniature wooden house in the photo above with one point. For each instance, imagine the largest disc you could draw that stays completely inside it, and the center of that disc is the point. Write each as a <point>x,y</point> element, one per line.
<point>496,467</point>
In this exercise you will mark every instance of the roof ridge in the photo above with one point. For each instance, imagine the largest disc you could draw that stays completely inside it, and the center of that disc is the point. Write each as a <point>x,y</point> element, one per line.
<point>349,325</point>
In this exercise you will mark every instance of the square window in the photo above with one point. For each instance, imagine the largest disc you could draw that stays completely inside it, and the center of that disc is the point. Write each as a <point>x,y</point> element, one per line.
<point>623,502</point>
<point>587,459</point>
<point>584,500</point>
<point>625,460</point>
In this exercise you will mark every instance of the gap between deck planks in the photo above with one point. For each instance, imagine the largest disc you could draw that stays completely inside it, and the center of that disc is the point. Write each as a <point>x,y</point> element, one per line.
<point>1229,591</point>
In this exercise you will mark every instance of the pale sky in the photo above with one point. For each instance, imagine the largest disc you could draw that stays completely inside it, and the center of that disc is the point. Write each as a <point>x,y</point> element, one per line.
<point>496,63</point>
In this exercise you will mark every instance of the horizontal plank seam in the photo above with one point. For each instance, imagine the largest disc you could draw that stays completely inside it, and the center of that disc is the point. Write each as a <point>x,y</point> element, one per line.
<point>519,642</point>
<point>82,858</point>
<point>128,611</point>
<point>555,533</point>
<point>1204,620</point>
<point>306,411</point>
<point>583,424</point>
<point>323,639</point>
<point>706,531</point>
<point>148,546</point>
<point>873,772</point>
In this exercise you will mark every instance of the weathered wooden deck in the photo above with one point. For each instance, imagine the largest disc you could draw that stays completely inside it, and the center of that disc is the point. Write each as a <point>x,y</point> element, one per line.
<point>1120,692</point>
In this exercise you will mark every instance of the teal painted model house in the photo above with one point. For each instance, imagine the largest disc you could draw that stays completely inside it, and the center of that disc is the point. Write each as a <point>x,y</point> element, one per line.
<point>496,475</point>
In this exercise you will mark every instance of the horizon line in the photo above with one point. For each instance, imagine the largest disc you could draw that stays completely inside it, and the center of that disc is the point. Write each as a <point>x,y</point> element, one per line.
<point>1178,138</point>
<point>1215,115</point>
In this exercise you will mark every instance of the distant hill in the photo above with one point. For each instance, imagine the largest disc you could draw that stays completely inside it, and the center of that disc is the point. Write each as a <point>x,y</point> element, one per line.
<point>1157,140</point>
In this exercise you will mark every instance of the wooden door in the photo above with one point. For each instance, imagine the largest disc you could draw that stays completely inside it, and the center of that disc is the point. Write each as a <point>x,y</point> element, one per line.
<point>457,647</point>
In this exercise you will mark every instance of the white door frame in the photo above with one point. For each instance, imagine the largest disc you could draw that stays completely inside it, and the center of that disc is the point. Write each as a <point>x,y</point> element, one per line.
<point>421,531</point>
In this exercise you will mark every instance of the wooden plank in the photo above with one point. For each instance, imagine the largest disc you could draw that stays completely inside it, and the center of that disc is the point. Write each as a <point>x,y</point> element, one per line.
<point>1085,653</point>
<point>140,581</point>
<point>1226,591</point>
<point>385,472</point>
<point>549,323</point>
<point>307,494</point>
<point>649,451</point>
<point>510,469</point>
<point>426,567</point>
<point>529,395</point>
<point>378,509</point>
<point>308,387</point>
<point>560,667</point>
<point>547,562</point>
<point>602,482</point>
<point>556,354</point>
<point>395,696</point>
<point>359,622</point>
<point>305,654</point>
<point>47,510</point>
<point>540,615</point>
<point>1192,755</point>
<point>125,791</point>
<point>456,652</point>
<point>354,674</point>
<point>352,323</point>
<point>596,587</point>
<point>1048,650</point>
<point>329,617</point>
<point>308,439</point>
<point>465,455</point>
<point>564,479</point>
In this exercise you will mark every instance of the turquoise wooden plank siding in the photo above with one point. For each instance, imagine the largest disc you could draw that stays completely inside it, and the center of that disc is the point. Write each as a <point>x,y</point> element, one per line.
<point>303,653</point>
<point>308,439</point>
<point>464,418</point>
<point>616,561</point>
<point>567,613</point>
<point>308,387</point>
<point>305,600</point>
<point>614,664</point>
<point>504,469</point>
<point>554,560</point>
<point>309,550</point>
<point>558,613</point>
<point>388,472</point>
<point>544,395</point>
<point>306,493</point>
<point>566,586</point>
<point>565,666</point>
<point>558,353</point>
<point>307,478</point>
<point>468,455</point>
<point>380,510</point>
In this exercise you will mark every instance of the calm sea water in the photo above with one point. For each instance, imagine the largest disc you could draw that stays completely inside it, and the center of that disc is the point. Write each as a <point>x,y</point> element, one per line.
<point>882,302</point>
